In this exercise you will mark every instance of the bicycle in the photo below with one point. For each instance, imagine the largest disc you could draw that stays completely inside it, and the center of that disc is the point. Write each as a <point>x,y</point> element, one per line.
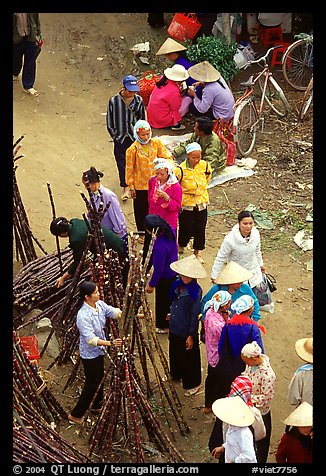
<point>297,62</point>
<point>248,114</point>
<point>307,100</point>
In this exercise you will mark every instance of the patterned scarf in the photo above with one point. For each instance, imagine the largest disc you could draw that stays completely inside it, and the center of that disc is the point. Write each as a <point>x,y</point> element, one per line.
<point>242,386</point>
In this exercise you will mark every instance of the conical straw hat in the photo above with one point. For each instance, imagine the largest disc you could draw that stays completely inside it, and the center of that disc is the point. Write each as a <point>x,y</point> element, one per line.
<point>304,349</point>
<point>190,267</point>
<point>301,416</point>
<point>170,46</point>
<point>233,410</point>
<point>204,72</point>
<point>233,273</point>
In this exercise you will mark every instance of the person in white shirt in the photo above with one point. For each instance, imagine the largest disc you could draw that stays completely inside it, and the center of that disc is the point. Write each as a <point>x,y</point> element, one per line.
<point>241,245</point>
<point>238,438</point>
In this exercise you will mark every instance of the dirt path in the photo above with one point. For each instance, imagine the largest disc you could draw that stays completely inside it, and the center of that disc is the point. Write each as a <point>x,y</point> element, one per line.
<point>83,60</point>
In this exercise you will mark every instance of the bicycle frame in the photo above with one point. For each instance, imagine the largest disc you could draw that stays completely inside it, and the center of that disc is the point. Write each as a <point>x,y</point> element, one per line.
<point>249,92</point>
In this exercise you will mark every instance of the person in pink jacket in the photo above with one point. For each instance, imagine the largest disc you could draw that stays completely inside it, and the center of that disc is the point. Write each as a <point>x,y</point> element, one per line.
<point>165,193</point>
<point>168,102</point>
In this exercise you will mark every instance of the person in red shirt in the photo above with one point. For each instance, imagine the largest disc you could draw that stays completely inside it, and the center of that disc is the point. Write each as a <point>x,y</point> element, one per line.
<point>295,445</point>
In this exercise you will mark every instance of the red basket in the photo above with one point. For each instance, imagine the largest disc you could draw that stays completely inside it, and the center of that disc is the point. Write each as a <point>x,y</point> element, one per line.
<point>30,345</point>
<point>147,84</point>
<point>183,27</point>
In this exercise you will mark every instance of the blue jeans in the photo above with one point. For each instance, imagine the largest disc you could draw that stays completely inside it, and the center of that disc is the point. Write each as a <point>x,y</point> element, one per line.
<point>120,158</point>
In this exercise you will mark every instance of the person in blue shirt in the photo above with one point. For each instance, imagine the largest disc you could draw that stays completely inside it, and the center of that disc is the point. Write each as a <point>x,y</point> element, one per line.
<point>184,353</point>
<point>91,323</point>
<point>231,279</point>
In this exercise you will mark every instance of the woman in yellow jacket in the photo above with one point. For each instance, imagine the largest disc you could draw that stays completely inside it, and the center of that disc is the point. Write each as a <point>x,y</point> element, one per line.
<point>194,175</point>
<point>139,167</point>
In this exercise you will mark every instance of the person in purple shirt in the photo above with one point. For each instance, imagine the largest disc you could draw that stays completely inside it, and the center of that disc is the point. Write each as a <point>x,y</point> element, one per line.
<point>165,252</point>
<point>177,53</point>
<point>216,99</point>
<point>113,218</point>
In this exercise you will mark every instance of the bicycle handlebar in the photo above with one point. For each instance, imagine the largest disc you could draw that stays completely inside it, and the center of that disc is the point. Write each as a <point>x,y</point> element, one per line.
<point>264,58</point>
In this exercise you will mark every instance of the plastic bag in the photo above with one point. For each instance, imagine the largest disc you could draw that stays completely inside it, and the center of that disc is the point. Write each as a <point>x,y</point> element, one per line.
<point>258,425</point>
<point>271,281</point>
<point>263,292</point>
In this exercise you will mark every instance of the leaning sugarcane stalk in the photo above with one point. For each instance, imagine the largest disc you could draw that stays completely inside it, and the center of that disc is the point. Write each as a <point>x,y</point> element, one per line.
<point>53,218</point>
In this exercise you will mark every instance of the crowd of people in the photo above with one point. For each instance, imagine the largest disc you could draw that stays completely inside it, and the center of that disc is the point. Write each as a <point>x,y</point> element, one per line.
<point>171,200</point>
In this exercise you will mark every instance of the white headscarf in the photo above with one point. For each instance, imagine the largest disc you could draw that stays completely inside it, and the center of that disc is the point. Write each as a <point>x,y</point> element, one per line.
<point>251,350</point>
<point>218,299</point>
<point>192,146</point>
<point>141,124</point>
<point>243,303</point>
<point>160,163</point>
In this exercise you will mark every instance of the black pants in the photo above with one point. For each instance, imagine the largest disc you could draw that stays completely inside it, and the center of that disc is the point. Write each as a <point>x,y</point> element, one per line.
<point>25,50</point>
<point>185,364</point>
<point>263,444</point>
<point>119,151</point>
<point>213,390</point>
<point>94,371</point>
<point>140,208</point>
<point>192,224</point>
<point>155,20</point>
<point>162,302</point>
<point>194,111</point>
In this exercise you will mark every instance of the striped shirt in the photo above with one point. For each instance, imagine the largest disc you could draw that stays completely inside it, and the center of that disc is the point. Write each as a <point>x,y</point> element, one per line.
<point>120,118</point>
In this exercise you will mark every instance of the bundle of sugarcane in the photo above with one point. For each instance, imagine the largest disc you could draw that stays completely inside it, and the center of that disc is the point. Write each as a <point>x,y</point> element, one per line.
<point>149,346</point>
<point>35,441</point>
<point>28,384</point>
<point>23,235</point>
<point>125,412</point>
<point>34,284</point>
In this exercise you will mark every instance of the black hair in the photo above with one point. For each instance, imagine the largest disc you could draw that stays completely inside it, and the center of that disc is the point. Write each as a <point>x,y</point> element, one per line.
<point>59,225</point>
<point>245,214</point>
<point>205,124</point>
<point>155,222</point>
<point>92,175</point>
<point>86,288</point>
<point>162,82</point>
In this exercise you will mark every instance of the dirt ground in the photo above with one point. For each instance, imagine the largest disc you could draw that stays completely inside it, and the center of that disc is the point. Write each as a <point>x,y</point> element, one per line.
<point>84,57</point>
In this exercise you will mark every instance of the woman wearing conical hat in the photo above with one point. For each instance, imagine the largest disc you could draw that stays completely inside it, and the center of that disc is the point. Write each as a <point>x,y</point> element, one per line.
<point>301,385</point>
<point>177,53</point>
<point>234,279</point>
<point>184,353</point>
<point>216,99</point>
<point>295,445</point>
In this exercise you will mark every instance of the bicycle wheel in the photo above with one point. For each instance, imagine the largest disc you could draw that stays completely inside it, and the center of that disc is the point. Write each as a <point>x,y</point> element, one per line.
<point>274,96</point>
<point>297,64</point>
<point>245,127</point>
<point>307,100</point>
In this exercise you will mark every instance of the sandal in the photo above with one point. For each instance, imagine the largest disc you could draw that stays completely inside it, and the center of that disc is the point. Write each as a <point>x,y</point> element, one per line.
<point>124,196</point>
<point>178,127</point>
<point>162,331</point>
<point>31,91</point>
<point>192,391</point>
